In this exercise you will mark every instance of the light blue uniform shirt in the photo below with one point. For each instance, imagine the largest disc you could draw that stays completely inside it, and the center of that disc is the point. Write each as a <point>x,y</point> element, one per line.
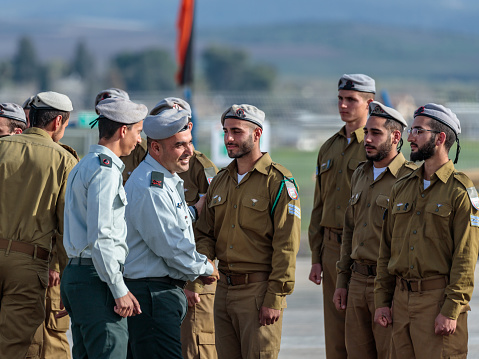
<point>95,224</point>
<point>160,235</point>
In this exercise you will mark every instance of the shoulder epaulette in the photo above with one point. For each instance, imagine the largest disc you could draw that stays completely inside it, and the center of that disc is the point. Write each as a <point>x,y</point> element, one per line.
<point>157,179</point>
<point>210,173</point>
<point>410,165</point>
<point>284,171</point>
<point>70,150</point>
<point>462,177</point>
<point>205,161</point>
<point>105,160</point>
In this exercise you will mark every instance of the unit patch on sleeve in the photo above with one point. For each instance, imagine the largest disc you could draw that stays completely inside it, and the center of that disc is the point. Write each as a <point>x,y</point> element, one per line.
<point>157,179</point>
<point>294,210</point>
<point>290,186</point>
<point>105,160</point>
<point>472,192</point>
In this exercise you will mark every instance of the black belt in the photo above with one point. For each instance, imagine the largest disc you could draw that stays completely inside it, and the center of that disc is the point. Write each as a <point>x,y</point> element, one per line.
<point>167,280</point>
<point>79,261</point>
<point>364,269</point>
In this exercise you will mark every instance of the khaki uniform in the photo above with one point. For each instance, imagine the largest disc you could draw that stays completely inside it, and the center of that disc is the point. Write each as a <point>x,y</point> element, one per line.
<point>252,228</point>
<point>33,175</point>
<point>361,238</point>
<point>198,329</point>
<point>428,252</point>
<point>133,159</point>
<point>337,161</point>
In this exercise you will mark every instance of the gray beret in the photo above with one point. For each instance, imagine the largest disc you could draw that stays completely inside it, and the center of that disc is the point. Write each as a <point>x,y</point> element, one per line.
<point>166,124</point>
<point>52,101</point>
<point>244,112</point>
<point>122,110</point>
<point>13,112</point>
<point>357,82</point>
<point>110,93</point>
<point>441,114</point>
<point>170,102</point>
<point>28,102</point>
<point>378,109</point>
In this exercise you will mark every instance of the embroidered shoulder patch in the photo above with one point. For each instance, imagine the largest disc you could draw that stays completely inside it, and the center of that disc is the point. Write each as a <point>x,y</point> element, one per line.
<point>292,192</point>
<point>472,192</point>
<point>294,210</point>
<point>210,173</point>
<point>105,160</point>
<point>157,179</point>
<point>474,221</point>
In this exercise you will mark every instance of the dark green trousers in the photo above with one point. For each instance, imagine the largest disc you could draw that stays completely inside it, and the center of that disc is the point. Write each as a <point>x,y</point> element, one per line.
<point>156,332</point>
<point>97,331</point>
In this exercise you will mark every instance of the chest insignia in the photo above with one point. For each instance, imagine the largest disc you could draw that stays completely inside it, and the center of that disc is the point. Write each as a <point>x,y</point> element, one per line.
<point>325,165</point>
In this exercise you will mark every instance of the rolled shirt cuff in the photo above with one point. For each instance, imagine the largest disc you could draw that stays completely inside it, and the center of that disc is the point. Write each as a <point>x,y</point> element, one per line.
<point>118,290</point>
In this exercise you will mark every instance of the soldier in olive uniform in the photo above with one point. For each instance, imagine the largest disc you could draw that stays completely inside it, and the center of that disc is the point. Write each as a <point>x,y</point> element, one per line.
<point>12,119</point>
<point>338,157</point>
<point>251,223</point>
<point>370,187</point>
<point>429,246</point>
<point>197,328</point>
<point>30,215</point>
<point>132,160</point>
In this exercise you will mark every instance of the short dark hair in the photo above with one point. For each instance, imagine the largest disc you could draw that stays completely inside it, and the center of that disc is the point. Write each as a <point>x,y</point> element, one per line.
<point>42,117</point>
<point>450,135</point>
<point>108,128</point>
<point>13,124</point>
<point>392,125</point>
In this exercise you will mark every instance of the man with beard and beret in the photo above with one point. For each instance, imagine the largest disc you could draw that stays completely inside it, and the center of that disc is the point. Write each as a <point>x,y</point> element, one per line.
<point>197,329</point>
<point>338,157</point>
<point>132,160</point>
<point>251,223</point>
<point>12,119</point>
<point>160,237</point>
<point>30,215</point>
<point>370,187</point>
<point>429,246</point>
<point>92,287</point>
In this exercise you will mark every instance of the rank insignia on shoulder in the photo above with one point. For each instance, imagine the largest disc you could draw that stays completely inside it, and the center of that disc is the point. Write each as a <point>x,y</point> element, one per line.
<point>157,179</point>
<point>105,160</point>
<point>474,221</point>
<point>472,192</point>
<point>290,186</point>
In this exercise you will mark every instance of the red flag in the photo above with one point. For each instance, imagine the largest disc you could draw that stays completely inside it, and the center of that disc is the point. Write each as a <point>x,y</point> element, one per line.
<point>184,50</point>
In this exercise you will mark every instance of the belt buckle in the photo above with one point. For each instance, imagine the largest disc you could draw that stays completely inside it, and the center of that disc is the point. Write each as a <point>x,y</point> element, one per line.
<point>408,285</point>
<point>228,280</point>
<point>370,270</point>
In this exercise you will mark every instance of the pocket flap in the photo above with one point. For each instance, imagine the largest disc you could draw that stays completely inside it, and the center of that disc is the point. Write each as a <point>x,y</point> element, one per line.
<point>440,209</point>
<point>255,202</point>
<point>382,201</point>
<point>401,207</point>
<point>326,165</point>
<point>355,198</point>
<point>217,199</point>
<point>354,163</point>
<point>190,195</point>
<point>206,338</point>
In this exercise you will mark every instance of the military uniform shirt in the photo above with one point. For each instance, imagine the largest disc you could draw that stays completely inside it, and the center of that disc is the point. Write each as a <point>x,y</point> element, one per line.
<point>133,159</point>
<point>95,224</point>
<point>237,226</point>
<point>160,233</point>
<point>33,177</point>
<point>364,215</point>
<point>429,233</point>
<point>336,163</point>
<point>196,181</point>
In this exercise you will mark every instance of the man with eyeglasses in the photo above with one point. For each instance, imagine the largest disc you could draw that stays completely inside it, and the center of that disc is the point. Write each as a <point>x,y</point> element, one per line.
<point>429,246</point>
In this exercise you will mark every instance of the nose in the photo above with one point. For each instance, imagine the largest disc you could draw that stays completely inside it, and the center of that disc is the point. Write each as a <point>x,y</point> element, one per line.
<point>189,149</point>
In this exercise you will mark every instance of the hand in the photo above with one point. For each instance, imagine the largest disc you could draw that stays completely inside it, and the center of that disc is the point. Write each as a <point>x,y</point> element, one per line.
<point>383,316</point>
<point>200,204</point>
<point>444,325</point>
<point>268,316</point>
<point>127,306</point>
<point>53,278</point>
<point>315,274</point>
<point>340,298</point>
<point>213,277</point>
<point>62,313</point>
<point>192,298</point>
<point>215,274</point>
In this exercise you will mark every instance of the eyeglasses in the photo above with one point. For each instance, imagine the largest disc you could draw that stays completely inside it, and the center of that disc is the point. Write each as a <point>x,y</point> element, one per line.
<point>419,131</point>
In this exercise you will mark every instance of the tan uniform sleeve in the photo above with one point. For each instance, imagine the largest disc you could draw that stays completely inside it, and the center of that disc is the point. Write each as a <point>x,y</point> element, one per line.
<point>287,233</point>
<point>385,283</point>
<point>315,231</point>
<point>343,266</point>
<point>205,230</point>
<point>465,252</point>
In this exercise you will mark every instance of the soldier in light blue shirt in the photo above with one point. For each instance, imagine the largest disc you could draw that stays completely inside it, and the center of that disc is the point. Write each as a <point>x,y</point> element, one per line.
<point>92,288</point>
<point>160,236</point>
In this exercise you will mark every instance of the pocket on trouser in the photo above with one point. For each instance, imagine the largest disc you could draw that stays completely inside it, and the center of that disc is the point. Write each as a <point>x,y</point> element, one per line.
<point>206,345</point>
<point>57,324</point>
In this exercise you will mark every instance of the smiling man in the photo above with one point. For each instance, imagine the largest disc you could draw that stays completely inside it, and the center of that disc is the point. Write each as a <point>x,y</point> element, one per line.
<point>429,246</point>
<point>338,157</point>
<point>370,187</point>
<point>251,224</point>
<point>160,237</point>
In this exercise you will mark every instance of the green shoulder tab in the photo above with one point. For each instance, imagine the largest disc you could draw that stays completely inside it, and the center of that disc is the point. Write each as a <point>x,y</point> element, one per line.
<point>210,173</point>
<point>157,179</point>
<point>105,160</point>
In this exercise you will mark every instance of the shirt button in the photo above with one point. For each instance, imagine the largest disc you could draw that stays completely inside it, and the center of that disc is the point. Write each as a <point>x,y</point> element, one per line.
<point>342,153</point>
<point>414,232</point>
<point>372,186</point>
<point>338,207</point>
<point>337,189</point>
<point>412,248</point>
<point>365,224</point>
<point>231,247</point>
<point>418,212</point>
<point>231,265</point>
<point>340,171</point>
<point>369,204</point>
<point>361,244</point>
<point>423,195</point>
<point>232,226</point>
<point>437,209</point>
<point>412,267</point>
<point>235,206</point>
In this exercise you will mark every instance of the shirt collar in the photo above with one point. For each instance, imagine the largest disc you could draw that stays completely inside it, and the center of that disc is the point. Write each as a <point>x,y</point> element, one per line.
<point>159,168</point>
<point>443,173</point>
<point>357,134</point>
<point>262,165</point>
<point>37,131</point>
<point>105,150</point>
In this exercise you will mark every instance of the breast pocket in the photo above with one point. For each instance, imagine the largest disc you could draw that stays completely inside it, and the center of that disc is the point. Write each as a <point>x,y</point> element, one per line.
<point>254,212</point>
<point>353,164</point>
<point>437,219</point>
<point>401,215</point>
<point>325,166</point>
<point>191,196</point>
<point>119,204</point>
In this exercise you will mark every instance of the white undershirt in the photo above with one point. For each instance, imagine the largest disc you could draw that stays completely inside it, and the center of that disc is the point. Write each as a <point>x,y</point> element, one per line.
<point>349,140</point>
<point>378,171</point>
<point>426,184</point>
<point>240,177</point>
